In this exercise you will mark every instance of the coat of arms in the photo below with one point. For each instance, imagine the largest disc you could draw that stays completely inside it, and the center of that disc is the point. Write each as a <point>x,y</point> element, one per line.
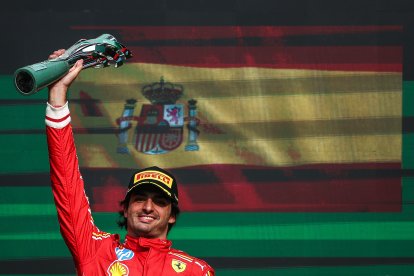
<point>160,124</point>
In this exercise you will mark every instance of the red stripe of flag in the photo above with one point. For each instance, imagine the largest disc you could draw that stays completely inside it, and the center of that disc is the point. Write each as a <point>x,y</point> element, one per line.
<point>358,58</point>
<point>366,187</point>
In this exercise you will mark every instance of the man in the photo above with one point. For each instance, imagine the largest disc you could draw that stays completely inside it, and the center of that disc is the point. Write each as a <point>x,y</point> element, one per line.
<point>150,207</point>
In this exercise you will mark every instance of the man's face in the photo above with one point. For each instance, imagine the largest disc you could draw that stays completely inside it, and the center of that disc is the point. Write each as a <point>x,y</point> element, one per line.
<point>148,213</point>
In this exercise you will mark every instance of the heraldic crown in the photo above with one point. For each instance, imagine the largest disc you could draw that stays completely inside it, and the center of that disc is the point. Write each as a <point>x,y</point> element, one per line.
<point>162,92</point>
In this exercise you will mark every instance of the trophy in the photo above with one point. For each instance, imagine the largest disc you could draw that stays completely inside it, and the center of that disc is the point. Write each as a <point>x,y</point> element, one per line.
<point>100,52</point>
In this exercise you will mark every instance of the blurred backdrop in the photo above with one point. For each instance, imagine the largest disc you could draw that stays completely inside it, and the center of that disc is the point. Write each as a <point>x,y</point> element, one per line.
<point>289,125</point>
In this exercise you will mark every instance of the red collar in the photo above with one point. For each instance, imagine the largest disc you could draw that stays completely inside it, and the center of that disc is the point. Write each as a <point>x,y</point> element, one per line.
<point>144,244</point>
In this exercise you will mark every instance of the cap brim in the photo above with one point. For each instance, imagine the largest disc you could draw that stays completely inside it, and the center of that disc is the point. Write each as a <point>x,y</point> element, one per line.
<point>145,184</point>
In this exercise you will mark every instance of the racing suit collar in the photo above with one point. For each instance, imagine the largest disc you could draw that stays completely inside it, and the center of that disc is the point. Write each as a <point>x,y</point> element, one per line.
<point>143,244</point>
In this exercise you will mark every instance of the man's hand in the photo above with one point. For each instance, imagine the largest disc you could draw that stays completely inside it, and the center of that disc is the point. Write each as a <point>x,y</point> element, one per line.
<point>58,90</point>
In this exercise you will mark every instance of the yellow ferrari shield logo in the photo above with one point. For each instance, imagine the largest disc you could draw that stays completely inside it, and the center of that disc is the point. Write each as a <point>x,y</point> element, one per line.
<point>178,266</point>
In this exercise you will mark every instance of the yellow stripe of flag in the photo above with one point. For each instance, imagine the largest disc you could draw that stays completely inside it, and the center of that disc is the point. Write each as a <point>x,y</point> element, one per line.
<point>246,104</point>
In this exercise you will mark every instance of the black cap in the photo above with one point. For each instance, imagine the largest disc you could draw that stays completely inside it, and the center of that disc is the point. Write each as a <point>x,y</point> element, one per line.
<point>155,176</point>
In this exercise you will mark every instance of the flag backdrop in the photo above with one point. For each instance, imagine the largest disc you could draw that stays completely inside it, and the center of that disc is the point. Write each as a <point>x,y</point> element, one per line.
<point>292,145</point>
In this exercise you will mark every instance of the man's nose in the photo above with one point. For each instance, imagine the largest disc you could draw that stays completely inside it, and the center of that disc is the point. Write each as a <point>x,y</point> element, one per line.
<point>148,205</point>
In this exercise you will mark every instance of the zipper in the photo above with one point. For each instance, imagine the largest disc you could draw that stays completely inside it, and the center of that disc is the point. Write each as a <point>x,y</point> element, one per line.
<point>146,260</point>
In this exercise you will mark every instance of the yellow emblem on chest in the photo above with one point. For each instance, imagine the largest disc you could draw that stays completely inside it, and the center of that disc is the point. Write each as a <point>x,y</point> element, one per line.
<point>118,269</point>
<point>178,266</point>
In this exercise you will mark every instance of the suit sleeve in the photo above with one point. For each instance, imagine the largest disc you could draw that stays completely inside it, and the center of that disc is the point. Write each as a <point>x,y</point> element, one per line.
<point>76,224</point>
<point>202,268</point>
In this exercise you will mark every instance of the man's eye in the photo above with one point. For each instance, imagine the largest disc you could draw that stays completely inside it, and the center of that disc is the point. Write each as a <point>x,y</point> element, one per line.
<point>139,198</point>
<point>161,201</point>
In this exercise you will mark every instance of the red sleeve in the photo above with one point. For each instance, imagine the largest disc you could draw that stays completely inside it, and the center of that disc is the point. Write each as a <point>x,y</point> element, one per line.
<point>202,268</point>
<point>74,215</point>
<point>199,266</point>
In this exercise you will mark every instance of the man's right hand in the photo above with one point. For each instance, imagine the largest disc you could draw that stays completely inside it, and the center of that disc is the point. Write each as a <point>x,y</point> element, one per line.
<point>58,89</point>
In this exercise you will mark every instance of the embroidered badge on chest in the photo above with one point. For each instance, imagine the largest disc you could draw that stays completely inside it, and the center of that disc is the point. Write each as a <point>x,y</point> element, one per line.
<point>178,266</point>
<point>118,269</point>
<point>123,254</point>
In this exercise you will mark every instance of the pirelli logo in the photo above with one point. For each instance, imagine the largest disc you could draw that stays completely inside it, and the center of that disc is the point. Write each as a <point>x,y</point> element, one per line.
<point>154,175</point>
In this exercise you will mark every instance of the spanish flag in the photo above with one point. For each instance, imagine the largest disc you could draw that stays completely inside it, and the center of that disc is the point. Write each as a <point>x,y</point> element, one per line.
<point>281,119</point>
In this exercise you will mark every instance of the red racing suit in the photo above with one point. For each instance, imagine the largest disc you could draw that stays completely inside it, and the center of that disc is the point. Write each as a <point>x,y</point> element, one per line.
<point>96,252</point>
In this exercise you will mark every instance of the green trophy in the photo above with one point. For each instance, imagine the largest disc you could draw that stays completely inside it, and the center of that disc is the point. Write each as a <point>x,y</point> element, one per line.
<point>99,52</point>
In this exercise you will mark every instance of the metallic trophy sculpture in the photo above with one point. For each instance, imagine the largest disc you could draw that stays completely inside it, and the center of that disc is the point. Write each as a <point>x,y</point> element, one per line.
<point>100,52</point>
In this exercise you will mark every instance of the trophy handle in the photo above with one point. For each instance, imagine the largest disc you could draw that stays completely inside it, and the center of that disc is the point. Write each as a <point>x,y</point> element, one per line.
<point>100,52</point>
<point>32,78</point>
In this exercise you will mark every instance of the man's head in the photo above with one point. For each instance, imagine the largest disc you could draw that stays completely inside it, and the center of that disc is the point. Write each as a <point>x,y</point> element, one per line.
<point>150,207</point>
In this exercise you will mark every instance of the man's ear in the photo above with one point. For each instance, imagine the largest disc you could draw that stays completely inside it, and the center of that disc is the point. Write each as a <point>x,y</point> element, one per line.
<point>125,212</point>
<point>125,204</point>
<point>171,219</point>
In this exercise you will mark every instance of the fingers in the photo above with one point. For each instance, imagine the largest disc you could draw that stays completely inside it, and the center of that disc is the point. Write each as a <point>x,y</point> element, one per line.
<point>77,66</point>
<point>75,70</point>
<point>57,53</point>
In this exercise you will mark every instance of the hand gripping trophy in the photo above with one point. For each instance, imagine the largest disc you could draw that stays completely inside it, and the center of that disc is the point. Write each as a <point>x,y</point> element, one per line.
<point>100,52</point>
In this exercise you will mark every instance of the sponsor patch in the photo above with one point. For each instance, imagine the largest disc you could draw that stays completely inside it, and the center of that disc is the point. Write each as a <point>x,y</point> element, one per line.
<point>124,254</point>
<point>100,235</point>
<point>154,175</point>
<point>178,266</point>
<point>118,269</point>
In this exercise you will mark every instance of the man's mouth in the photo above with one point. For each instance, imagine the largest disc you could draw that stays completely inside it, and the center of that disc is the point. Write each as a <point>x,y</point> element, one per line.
<point>146,218</point>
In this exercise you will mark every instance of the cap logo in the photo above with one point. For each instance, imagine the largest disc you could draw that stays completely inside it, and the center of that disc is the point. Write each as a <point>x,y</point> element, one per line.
<point>154,175</point>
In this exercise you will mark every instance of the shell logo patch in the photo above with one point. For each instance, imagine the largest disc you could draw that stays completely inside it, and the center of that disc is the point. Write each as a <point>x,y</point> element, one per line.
<point>118,269</point>
<point>178,266</point>
<point>124,254</point>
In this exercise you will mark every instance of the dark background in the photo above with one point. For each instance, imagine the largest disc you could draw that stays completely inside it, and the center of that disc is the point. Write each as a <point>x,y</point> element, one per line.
<point>32,29</point>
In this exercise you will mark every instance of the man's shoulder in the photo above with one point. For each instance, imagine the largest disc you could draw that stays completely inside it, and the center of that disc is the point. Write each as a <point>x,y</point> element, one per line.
<point>181,255</point>
<point>198,264</point>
